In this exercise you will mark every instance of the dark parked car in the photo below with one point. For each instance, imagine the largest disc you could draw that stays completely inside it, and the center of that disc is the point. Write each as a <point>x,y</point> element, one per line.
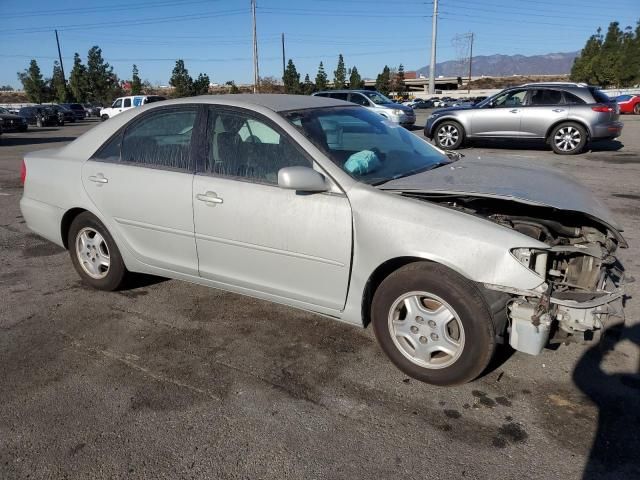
<point>92,110</point>
<point>77,109</point>
<point>419,103</point>
<point>11,122</point>
<point>64,114</point>
<point>40,114</point>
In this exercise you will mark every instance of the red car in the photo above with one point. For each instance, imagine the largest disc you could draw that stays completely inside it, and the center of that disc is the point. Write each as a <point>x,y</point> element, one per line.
<point>629,103</point>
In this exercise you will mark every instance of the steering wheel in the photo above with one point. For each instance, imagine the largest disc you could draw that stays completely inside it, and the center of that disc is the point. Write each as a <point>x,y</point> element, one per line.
<point>253,139</point>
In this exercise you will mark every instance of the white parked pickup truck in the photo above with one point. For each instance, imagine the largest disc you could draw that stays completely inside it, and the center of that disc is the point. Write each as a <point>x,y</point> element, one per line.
<point>125,103</point>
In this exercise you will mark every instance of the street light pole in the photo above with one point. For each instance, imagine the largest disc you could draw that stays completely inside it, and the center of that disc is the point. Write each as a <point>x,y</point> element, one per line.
<point>256,74</point>
<point>434,32</point>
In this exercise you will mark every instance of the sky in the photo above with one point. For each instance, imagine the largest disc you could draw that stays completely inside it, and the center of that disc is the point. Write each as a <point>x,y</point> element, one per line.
<point>215,36</point>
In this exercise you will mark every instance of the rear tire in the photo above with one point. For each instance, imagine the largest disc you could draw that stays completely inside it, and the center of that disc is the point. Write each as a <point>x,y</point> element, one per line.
<point>433,324</point>
<point>94,253</point>
<point>568,138</point>
<point>636,109</point>
<point>449,135</point>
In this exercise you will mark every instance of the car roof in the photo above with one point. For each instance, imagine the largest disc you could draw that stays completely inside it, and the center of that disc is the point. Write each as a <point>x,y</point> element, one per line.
<point>348,90</point>
<point>272,101</point>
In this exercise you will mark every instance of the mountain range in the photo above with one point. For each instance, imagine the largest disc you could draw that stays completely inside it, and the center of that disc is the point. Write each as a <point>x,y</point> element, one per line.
<point>506,65</point>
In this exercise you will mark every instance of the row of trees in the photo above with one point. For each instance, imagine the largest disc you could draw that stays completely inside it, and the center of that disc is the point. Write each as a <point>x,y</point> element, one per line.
<point>610,60</point>
<point>388,80</point>
<point>94,82</point>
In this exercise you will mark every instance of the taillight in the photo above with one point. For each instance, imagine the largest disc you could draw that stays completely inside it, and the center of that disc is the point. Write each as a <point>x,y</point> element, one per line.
<point>23,172</point>
<point>602,109</point>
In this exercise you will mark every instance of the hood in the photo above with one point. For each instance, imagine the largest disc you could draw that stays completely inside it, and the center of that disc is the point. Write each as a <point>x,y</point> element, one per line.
<point>508,179</point>
<point>452,109</point>
<point>396,106</point>
<point>10,116</point>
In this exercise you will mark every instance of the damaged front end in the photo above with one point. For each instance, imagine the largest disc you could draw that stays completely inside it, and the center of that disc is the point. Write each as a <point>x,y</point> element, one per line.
<point>582,281</point>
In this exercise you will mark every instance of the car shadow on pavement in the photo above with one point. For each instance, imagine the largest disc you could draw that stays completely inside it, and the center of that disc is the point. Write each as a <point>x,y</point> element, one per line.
<point>614,453</point>
<point>538,145</point>
<point>135,281</point>
<point>30,140</point>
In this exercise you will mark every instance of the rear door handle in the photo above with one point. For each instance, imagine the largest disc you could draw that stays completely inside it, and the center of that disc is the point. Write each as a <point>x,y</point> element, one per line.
<point>558,110</point>
<point>515,110</point>
<point>99,178</point>
<point>209,197</point>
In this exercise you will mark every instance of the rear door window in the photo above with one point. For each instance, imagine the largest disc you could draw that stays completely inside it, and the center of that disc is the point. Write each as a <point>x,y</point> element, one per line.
<point>571,99</point>
<point>127,103</point>
<point>545,96</point>
<point>359,99</point>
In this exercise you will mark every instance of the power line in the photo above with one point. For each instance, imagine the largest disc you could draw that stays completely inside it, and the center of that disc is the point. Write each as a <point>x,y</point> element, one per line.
<point>103,9</point>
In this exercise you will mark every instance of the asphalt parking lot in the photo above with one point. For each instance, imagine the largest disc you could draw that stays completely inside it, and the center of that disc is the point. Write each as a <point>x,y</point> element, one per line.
<point>172,380</point>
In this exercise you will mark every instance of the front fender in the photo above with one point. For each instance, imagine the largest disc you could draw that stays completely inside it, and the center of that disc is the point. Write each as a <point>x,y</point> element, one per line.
<point>389,226</point>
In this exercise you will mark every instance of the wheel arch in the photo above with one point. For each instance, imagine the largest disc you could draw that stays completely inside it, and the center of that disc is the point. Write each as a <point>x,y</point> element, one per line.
<point>547,136</point>
<point>450,118</point>
<point>66,221</point>
<point>496,301</point>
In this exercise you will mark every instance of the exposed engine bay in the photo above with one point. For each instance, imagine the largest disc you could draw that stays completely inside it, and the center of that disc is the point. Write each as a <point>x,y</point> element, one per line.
<point>583,280</point>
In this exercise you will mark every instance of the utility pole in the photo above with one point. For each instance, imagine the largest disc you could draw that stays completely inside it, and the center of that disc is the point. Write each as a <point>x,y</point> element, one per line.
<point>434,32</point>
<point>60,57</point>
<point>256,74</point>
<point>470,63</point>
<point>283,64</point>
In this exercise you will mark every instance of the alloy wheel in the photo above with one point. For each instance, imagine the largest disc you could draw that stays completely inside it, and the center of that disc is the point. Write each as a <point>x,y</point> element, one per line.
<point>426,330</point>
<point>93,253</point>
<point>567,138</point>
<point>448,135</point>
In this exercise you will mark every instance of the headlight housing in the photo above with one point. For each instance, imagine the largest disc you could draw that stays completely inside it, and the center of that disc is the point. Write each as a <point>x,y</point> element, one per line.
<point>533,259</point>
<point>397,112</point>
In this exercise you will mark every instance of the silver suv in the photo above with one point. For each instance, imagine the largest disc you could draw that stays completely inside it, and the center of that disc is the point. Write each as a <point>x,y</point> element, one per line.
<point>376,102</point>
<point>565,115</point>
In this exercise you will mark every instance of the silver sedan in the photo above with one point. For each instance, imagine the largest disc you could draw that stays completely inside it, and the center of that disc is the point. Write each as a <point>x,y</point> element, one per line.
<point>325,206</point>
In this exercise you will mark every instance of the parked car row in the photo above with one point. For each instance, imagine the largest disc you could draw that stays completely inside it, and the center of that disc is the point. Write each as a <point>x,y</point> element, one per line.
<point>123,104</point>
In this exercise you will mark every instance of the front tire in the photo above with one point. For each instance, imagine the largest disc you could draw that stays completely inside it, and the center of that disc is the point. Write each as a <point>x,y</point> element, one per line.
<point>104,117</point>
<point>568,139</point>
<point>449,135</point>
<point>94,253</point>
<point>433,324</point>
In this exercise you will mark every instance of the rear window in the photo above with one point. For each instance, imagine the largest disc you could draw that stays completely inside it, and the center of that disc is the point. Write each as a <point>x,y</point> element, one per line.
<point>340,96</point>
<point>324,94</point>
<point>571,99</point>
<point>599,96</point>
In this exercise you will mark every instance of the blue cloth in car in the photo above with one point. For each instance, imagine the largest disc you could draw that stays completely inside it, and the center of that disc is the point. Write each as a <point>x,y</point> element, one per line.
<point>362,162</point>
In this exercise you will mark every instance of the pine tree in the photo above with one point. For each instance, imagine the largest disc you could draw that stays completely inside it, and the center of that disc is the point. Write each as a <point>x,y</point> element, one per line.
<point>307,87</point>
<point>200,86</point>
<point>136,83</point>
<point>291,79</point>
<point>33,83</point>
<point>58,84</point>
<point>399,81</point>
<point>339,74</point>
<point>383,81</point>
<point>102,82</point>
<point>583,69</point>
<point>321,78</point>
<point>355,80</point>
<point>78,83</point>
<point>609,62</point>
<point>180,80</point>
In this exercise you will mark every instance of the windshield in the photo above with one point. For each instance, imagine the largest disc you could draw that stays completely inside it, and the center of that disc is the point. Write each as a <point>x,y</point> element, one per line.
<point>4,110</point>
<point>377,98</point>
<point>366,145</point>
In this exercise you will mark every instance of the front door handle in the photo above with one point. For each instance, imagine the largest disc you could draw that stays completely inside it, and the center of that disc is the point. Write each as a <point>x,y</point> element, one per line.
<point>515,110</point>
<point>558,110</point>
<point>99,178</point>
<point>209,197</point>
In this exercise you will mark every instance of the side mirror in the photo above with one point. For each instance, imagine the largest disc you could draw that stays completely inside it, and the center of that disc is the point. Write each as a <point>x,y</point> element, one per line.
<point>303,179</point>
